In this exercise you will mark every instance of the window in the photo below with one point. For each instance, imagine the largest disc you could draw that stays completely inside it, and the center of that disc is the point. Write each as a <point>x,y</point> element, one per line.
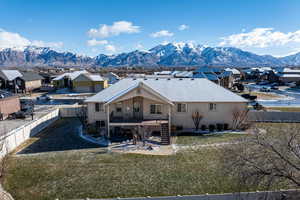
<point>98,107</point>
<point>212,107</point>
<point>100,124</point>
<point>119,107</point>
<point>155,109</point>
<point>181,107</point>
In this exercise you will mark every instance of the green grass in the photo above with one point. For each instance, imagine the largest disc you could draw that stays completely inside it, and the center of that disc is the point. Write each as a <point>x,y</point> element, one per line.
<point>207,138</point>
<point>81,174</point>
<point>285,109</point>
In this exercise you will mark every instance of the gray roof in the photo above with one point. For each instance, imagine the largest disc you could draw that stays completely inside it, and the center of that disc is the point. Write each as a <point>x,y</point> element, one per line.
<point>9,74</point>
<point>31,76</point>
<point>71,75</point>
<point>174,89</point>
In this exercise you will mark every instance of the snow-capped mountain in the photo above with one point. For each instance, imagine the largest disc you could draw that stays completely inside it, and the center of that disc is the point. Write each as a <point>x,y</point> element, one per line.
<point>41,56</point>
<point>171,54</point>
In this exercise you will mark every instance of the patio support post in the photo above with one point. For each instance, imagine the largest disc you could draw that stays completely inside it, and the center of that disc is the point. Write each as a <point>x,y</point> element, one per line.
<point>108,120</point>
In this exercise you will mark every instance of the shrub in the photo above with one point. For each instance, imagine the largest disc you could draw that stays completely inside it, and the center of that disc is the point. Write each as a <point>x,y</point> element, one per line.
<point>220,127</point>
<point>226,126</point>
<point>211,127</point>
<point>203,127</point>
<point>92,129</point>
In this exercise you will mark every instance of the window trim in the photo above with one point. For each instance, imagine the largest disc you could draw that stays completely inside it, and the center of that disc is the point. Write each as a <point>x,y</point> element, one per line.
<point>99,107</point>
<point>155,109</point>
<point>186,108</point>
<point>212,107</point>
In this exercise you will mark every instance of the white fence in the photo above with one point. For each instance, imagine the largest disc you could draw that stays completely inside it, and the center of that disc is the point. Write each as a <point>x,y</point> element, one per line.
<point>71,111</point>
<point>14,138</point>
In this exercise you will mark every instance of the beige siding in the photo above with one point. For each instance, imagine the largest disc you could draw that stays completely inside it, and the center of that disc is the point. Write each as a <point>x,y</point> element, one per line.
<point>93,116</point>
<point>222,114</point>
<point>31,85</point>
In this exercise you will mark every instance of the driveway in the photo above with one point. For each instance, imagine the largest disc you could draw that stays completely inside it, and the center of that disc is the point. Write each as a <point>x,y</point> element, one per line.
<point>60,136</point>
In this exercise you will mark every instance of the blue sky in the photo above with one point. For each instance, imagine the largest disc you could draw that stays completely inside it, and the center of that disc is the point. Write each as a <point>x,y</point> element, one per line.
<point>92,27</point>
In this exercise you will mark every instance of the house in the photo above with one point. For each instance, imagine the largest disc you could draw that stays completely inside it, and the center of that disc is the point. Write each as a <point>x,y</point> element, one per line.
<point>286,75</point>
<point>210,73</point>
<point>65,80</point>
<point>9,103</point>
<point>8,79</point>
<point>112,77</point>
<point>86,82</point>
<point>154,104</point>
<point>17,81</point>
<point>236,74</point>
<point>29,81</point>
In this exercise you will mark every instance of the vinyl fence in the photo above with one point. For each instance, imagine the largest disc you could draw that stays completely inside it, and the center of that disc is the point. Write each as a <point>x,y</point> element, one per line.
<point>14,138</point>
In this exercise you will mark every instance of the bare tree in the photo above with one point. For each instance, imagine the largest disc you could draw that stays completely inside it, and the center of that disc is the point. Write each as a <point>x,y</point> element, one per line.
<point>196,116</point>
<point>267,157</point>
<point>239,117</point>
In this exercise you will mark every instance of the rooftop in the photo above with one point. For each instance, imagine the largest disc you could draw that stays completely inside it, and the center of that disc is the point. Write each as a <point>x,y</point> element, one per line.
<point>174,89</point>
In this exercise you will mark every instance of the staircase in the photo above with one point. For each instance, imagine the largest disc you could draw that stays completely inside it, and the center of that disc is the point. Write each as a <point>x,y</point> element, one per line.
<point>165,137</point>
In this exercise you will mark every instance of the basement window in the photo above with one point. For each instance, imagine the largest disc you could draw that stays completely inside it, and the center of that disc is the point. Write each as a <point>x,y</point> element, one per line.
<point>155,109</point>
<point>212,107</point>
<point>181,107</point>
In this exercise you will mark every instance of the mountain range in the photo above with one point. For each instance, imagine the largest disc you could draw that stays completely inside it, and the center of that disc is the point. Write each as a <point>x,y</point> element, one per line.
<point>171,54</point>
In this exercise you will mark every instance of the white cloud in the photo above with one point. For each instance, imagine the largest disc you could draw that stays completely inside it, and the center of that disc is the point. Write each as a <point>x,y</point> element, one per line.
<point>139,46</point>
<point>15,40</point>
<point>110,48</point>
<point>94,42</point>
<point>115,29</point>
<point>261,38</point>
<point>183,27</point>
<point>162,33</point>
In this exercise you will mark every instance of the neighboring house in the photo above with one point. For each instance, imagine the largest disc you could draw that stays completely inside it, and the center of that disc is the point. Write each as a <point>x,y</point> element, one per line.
<point>210,73</point>
<point>66,80</point>
<point>9,103</point>
<point>89,83</point>
<point>17,81</point>
<point>8,79</point>
<point>112,78</point>
<point>288,75</point>
<point>236,74</point>
<point>29,81</point>
<point>161,104</point>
